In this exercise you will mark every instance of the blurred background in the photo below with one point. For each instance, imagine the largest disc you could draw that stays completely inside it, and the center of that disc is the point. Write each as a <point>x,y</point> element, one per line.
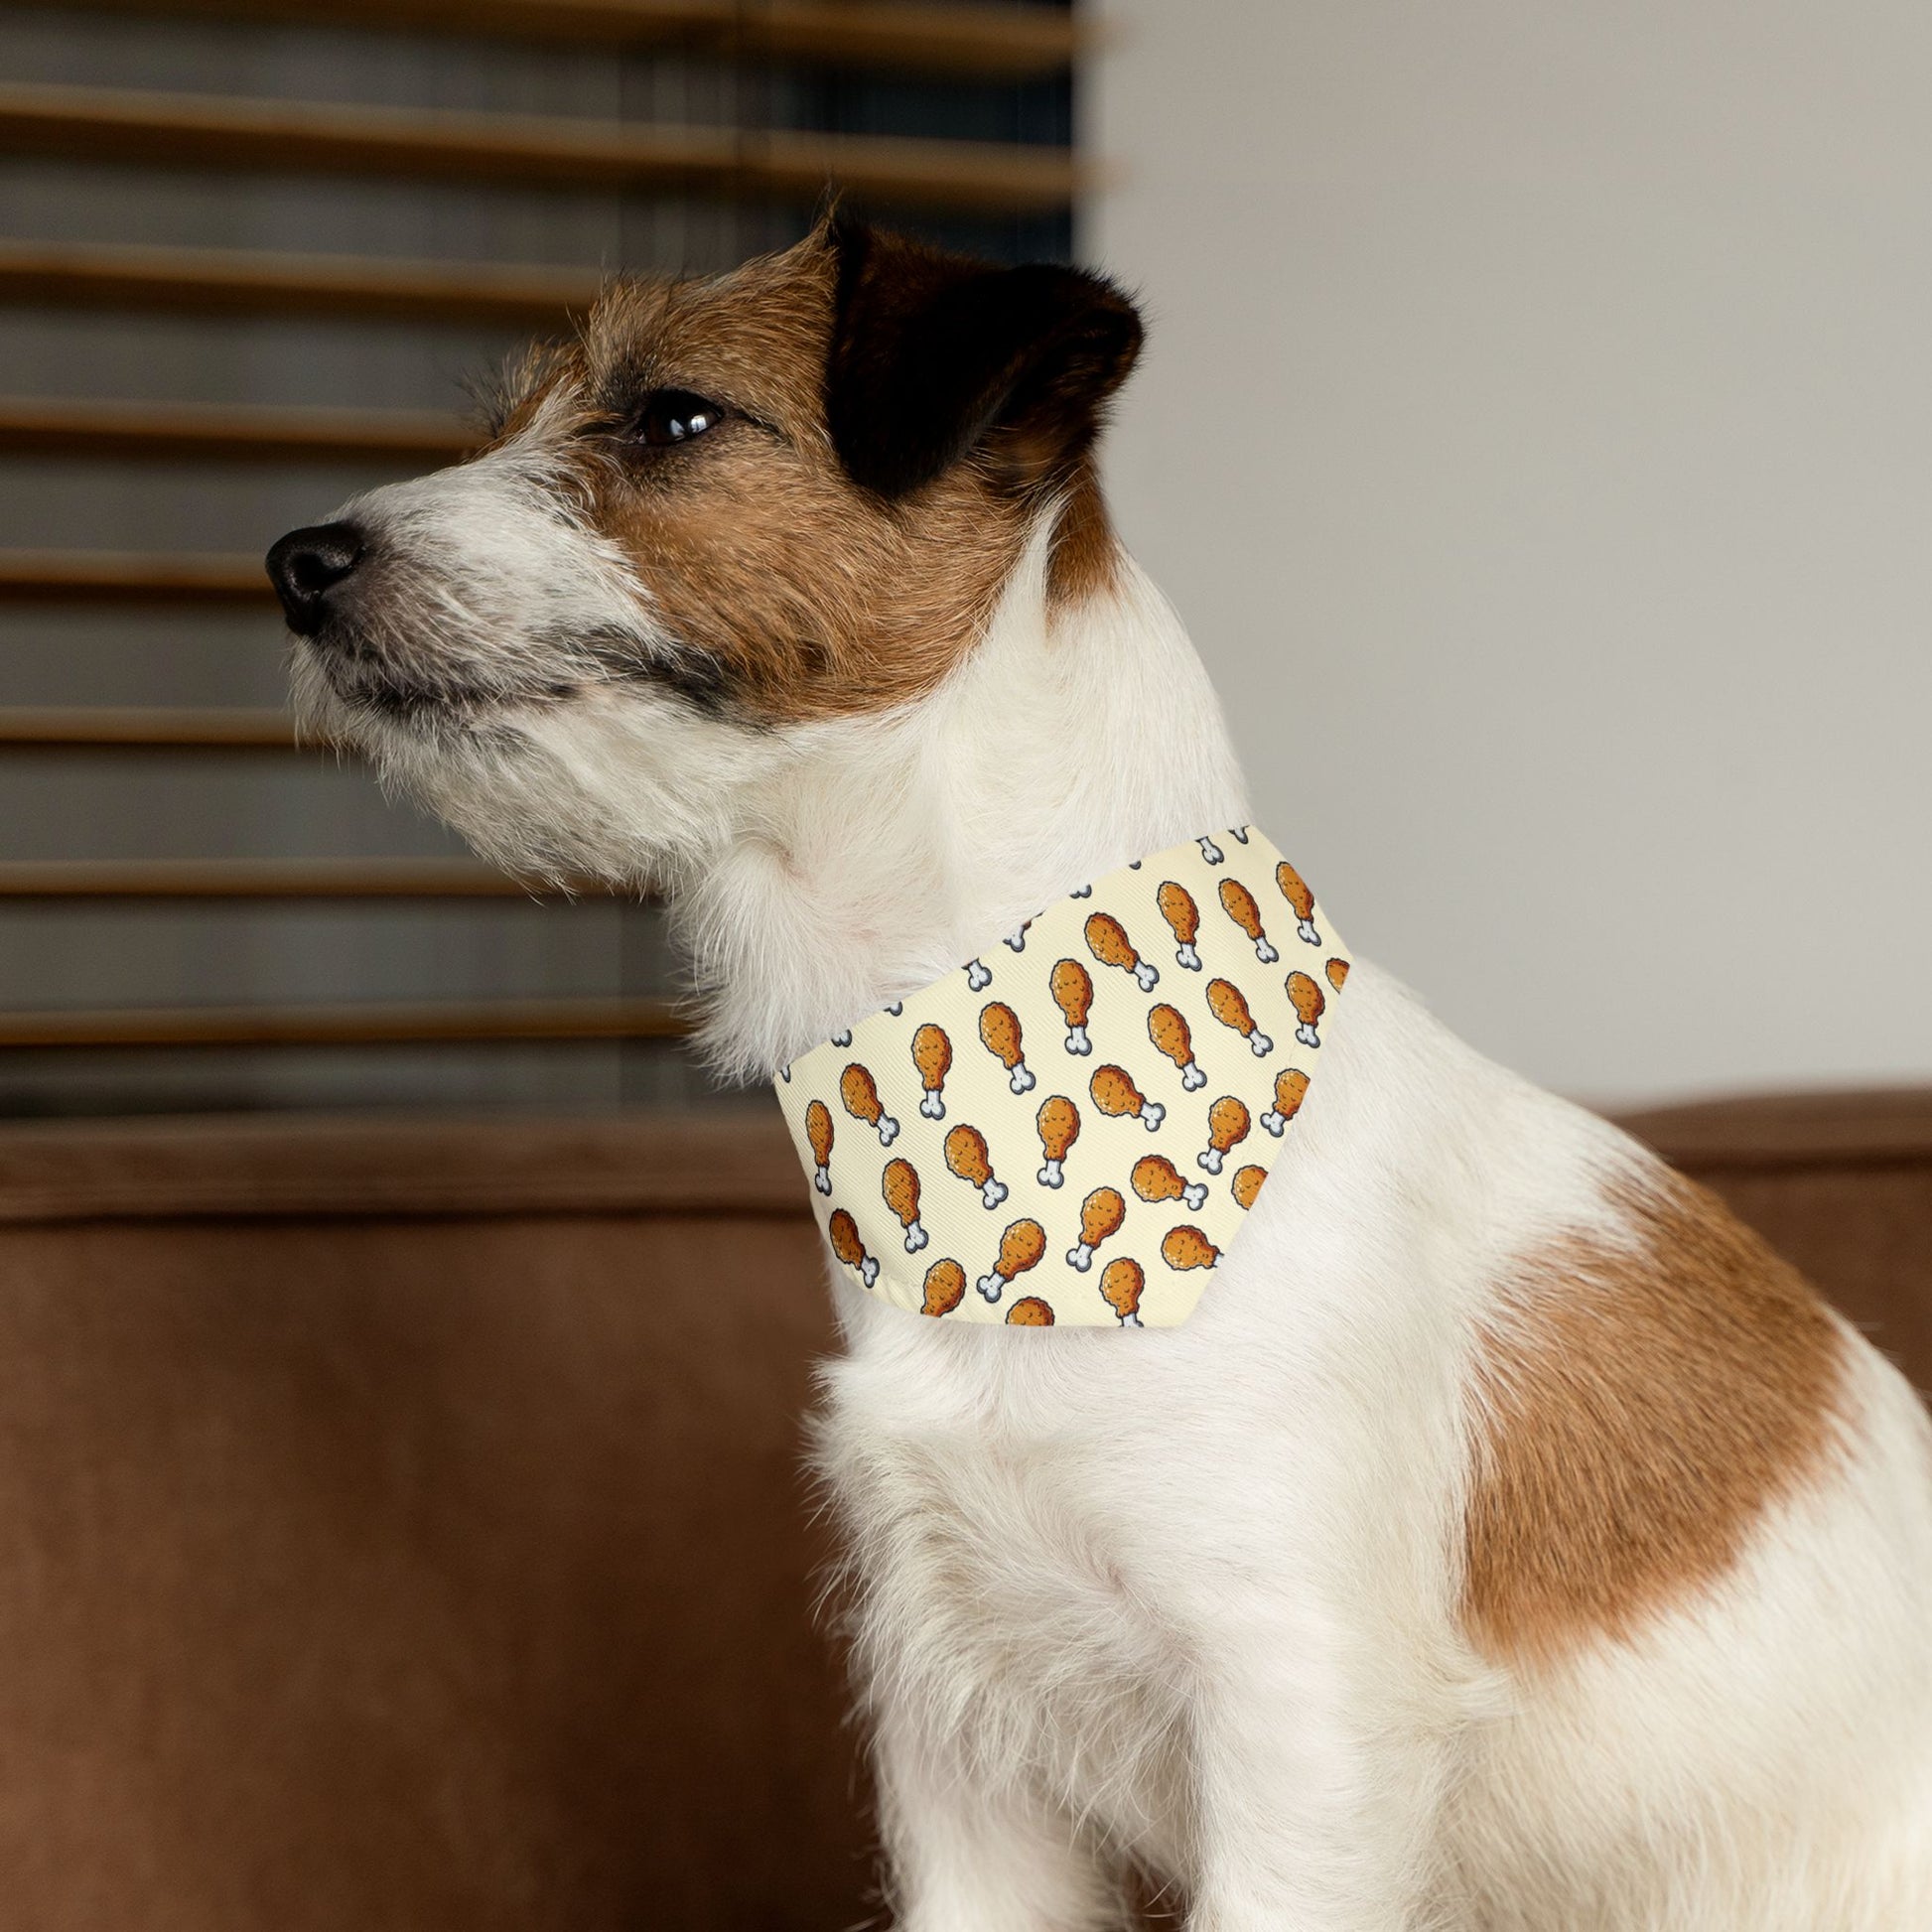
<point>1533,432</point>
<point>1557,382</point>
<point>404,1350</point>
<point>250,264</point>
<point>1536,431</point>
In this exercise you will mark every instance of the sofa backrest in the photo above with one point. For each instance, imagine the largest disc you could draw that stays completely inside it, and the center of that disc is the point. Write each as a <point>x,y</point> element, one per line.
<point>402,1525</point>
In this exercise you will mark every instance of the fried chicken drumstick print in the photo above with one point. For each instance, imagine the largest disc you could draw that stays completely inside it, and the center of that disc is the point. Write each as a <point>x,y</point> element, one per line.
<point>1101,1215</point>
<point>1000,1035</point>
<point>860,1093</point>
<point>899,1185</point>
<point>1021,1248</point>
<point>932,1056</point>
<point>1115,1094</point>
<point>818,1132</point>
<point>844,1233</point>
<point>1122,1284</point>
<point>1058,1126</point>
<point>1169,1034</point>
<point>1072,989</point>
<point>1107,940</point>
<point>1178,907</point>
<point>968,1157</point>
<point>1226,1004</point>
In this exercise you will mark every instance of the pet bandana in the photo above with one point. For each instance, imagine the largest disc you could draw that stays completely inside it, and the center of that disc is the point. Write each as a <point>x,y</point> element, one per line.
<point>1072,1129</point>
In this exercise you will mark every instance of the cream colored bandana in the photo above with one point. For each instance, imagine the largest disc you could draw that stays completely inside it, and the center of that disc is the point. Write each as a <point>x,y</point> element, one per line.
<point>1072,1131</point>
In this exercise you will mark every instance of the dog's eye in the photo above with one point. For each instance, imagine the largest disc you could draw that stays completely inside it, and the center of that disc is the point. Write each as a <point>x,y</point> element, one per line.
<point>675,416</point>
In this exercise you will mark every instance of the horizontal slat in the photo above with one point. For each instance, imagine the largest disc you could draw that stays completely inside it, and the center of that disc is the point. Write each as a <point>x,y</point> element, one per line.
<point>228,433</point>
<point>212,281</point>
<point>296,137</point>
<point>172,727</point>
<point>725,1162</point>
<point>257,878</point>
<point>126,577</point>
<point>360,1024</point>
<point>1007,41</point>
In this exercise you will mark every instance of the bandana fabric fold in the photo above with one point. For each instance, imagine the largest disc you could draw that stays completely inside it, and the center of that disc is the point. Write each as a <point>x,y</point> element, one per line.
<point>1070,1130</point>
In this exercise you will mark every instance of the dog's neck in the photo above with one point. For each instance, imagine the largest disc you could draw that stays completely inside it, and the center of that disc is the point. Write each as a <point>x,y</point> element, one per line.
<point>885,851</point>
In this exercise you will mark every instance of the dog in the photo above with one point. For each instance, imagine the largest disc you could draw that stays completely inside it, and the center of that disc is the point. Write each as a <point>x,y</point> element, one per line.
<point>1509,1540</point>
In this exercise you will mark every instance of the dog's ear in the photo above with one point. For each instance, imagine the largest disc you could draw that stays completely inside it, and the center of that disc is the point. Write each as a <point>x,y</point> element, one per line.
<point>935,356</point>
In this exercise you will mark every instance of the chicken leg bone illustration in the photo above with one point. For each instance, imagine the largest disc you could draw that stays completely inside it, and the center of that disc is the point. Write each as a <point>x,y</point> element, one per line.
<point>1059,1122</point>
<point>1116,1094</point>
<point>1247,1185</point>
<point>1239,904</point>
<point>843,1037</point>
<point>1073,990</point>
<point>860,1093</point>
<point>1210,851</point>
<point>1307,1002</point>
<point>844,1231</point>
<point>1178,907</point>
<point>932,1055</point>
<point>945,1288</point>
<point>1225,1003</point>
<point>1101,1215</point>
<point>1016,938</point>
<point>1184,1248</point>
<point>1029,1312</point>
<point>1337,971</point>
<point>1000,1035</point>
<point>1227,1126</point>
<point>1156,1178</point>
<point>966,1156</point>
<point>1169,1031</point>
<point>977,976</point>
<point>1021,1248</point>
<point>818,1130</point>
<point>1121,1284</point>
<point>899,1184</point>
<point>1296,890</point>
<point>1291,1089</point>
<point>1107,940</point>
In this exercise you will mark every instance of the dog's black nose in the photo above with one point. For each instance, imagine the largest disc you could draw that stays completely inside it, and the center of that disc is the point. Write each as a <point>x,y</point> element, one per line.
<point>306,564</point>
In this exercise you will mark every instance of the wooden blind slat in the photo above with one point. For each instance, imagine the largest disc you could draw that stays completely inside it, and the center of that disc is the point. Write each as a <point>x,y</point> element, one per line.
<point>172,727</point>
<point>217,280</point>
<point>130,577</point>
<point>361,1025</point>
<point>998,41</point>
<point>257,878</point>
<point>153,431</point>
<point>298,137</point>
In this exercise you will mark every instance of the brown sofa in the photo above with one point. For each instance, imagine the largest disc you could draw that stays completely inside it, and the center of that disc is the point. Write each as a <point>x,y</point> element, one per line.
<point>403,1526</point>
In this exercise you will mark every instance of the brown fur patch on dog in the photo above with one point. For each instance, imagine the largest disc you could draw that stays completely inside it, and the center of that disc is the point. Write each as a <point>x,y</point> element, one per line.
<point>794,591</point>
<point>803,596</point>
<point>1085,556</point>
<point>1639,1409</point>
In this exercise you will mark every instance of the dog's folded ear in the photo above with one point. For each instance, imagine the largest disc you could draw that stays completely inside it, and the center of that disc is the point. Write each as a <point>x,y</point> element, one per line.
<point>935,355</point>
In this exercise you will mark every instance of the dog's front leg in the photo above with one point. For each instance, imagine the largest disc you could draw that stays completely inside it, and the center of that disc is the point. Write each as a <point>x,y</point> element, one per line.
<point>969,1852</point>
<point>1316,1799</point>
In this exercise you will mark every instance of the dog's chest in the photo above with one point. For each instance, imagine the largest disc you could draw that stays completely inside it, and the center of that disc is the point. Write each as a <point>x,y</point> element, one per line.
<point>1011,1566</point>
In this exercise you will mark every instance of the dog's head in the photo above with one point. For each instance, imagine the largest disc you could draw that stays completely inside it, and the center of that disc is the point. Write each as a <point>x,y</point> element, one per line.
<point>731,510</point>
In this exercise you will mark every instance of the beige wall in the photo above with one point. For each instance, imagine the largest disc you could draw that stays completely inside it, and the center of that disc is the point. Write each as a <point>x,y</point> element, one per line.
<point>1537,433</point>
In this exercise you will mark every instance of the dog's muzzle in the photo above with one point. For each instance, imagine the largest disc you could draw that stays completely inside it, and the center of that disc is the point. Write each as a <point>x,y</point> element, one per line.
<point>307,569</point>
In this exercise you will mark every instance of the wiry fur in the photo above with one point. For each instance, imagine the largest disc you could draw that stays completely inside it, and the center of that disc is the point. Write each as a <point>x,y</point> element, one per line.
<point>1194,1599</point>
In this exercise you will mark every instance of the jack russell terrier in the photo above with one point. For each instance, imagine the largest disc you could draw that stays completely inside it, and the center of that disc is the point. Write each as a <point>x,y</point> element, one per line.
<point>1475,1528</point>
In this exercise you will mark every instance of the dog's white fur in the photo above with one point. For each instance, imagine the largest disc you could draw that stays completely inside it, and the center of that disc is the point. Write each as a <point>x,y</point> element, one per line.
<point>1190,1598</point>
